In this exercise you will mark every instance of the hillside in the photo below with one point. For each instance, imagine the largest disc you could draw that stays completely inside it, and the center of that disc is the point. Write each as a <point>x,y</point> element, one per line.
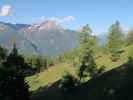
<point>66,50</point>
<point>49,76</point>
<point>55,72</point>
<point>114,84</point>
<point>52,76</point>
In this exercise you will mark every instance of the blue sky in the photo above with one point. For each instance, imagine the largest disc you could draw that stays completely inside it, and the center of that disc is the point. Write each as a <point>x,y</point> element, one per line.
<point>99,14</point>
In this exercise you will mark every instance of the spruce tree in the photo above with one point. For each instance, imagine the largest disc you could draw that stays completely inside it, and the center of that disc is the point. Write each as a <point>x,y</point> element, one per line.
<point>68,83</point>
<point>131,52</point>
<point>2,72</point>
<point>130,37</point>
<point>12,84</point>
<point>115,40</point>
<point>3,53</point>
<point>87,66</point>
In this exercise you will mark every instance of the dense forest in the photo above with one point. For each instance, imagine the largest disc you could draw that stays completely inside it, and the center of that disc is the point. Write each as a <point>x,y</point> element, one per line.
<point>90,71</point>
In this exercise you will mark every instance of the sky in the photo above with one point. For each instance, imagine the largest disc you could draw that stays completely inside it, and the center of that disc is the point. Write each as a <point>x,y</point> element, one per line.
<point>73,14</point>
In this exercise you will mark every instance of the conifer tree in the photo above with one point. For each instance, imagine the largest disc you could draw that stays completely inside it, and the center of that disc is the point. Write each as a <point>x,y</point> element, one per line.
<point>12,84</point>
<point>115,40</point>
<point>87,67</point>
<point>2,53</point>
<point>130,37</point>
<point>131,52</point>
<point>68,83</point>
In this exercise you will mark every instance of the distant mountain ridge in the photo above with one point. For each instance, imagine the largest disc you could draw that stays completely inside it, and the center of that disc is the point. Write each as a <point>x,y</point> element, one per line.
<point>15,26</point>
<point>47,37</point>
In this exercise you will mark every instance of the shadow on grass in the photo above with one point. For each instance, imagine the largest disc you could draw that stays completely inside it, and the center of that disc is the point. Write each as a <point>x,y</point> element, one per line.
<point>116,84</point>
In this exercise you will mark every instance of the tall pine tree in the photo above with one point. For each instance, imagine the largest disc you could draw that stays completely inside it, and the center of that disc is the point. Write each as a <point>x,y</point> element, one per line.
<point>12,77</point>
<point>3,53</point>
<point>131,52</point>
<point>87,67</point>
<point>130,37</point>
<point>115,40</point>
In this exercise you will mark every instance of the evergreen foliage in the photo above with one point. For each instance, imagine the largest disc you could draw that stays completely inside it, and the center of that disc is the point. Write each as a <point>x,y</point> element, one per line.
<point>12,77</point>
<point>115,40</point>
<point>87,66</point>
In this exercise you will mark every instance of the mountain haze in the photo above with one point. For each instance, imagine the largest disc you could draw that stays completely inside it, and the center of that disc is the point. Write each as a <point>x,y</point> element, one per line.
<point>46,37</point>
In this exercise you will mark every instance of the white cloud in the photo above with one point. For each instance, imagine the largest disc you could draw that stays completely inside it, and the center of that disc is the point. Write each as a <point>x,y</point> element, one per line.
<point>69,18</point>
<point>5,10</point>
<point>59,19</point>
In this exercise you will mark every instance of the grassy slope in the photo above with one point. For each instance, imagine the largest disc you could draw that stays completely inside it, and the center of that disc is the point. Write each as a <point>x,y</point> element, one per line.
<point>49,76</point>
<point>54,73</point>
<point>114,84</point>
<point>104,59</point>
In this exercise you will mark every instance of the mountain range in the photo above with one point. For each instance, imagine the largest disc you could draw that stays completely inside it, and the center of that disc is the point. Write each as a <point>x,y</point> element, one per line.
<point>47,37</point>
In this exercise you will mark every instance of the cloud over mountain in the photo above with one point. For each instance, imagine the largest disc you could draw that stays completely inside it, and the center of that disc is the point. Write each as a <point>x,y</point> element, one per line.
<point>69,18</point>
<point>59,19</point>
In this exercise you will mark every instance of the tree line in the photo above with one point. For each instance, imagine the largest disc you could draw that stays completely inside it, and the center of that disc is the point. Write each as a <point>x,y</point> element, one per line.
<point>87,67</point>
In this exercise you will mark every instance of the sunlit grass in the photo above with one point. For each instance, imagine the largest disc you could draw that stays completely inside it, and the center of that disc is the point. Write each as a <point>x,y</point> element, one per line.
<point>49,76</point>
<point>55,73</point>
